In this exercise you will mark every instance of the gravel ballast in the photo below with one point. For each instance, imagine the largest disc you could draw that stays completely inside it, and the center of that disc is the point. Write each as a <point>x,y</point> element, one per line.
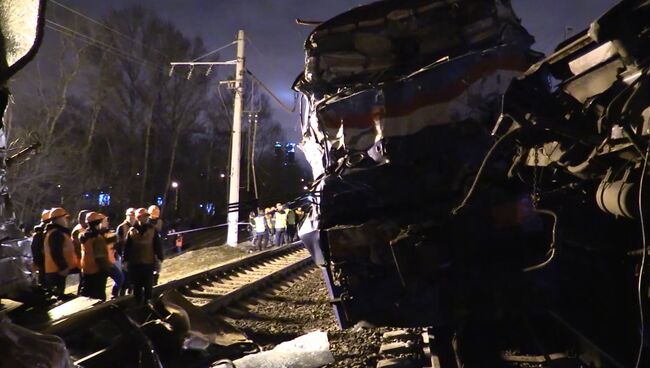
<point>299,308</point>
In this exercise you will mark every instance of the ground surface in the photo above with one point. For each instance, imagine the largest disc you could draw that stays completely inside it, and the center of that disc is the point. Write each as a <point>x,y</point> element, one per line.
<point>282,314</point>
<point>199,260</point>
<point>299,308</point>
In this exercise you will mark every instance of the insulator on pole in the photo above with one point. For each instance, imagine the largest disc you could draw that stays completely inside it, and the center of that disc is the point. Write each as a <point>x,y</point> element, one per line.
<point>208,71</point>
<point>189,74</point>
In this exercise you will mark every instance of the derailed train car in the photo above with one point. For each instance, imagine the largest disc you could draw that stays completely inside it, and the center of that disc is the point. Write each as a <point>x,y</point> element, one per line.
<point>423,217</point>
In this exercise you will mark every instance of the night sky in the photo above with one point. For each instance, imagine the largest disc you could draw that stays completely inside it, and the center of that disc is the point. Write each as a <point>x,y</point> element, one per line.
<point>276,54</point>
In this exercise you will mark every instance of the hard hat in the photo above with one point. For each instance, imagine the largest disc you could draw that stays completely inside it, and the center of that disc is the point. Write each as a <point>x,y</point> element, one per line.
<point>94,216</point>
<point>141,212</point>
<point>130,211</point>
<point>57,212</point>
<point>81,217</point>
<point>45,215</point>
<point>154,211</point>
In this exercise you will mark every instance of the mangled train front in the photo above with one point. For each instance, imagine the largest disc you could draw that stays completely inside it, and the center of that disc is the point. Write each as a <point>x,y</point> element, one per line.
<point>453,189</point>
<point>402,98</point>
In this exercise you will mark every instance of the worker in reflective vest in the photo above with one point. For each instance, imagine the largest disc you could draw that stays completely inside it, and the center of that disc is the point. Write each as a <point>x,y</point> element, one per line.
<point>79,229</point>
<point>60,257</point>
<point>261,235</point>
<point>280,224</point>
<point>143,247</point>
<point>95,262</point>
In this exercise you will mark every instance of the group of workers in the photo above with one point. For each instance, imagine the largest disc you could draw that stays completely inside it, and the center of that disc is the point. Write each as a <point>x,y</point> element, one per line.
<point>276,225</point>
<point>131,255</point>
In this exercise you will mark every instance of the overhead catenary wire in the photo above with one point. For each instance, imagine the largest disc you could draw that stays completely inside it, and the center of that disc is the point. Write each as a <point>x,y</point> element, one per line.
<point>276,98</point>
<point>97,43</point>
<point>107,50</point>
<point>215,51</point>
<point>103,25</point>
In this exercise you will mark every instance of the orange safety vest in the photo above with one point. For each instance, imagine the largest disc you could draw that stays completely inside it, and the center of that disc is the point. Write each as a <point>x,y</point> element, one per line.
<point>92,248</point>
<point>68,253</point>
<point>77,231</point>
<point>110,238</point>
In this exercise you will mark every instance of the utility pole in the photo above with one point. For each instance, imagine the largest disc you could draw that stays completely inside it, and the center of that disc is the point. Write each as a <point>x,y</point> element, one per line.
<point>235,154</point>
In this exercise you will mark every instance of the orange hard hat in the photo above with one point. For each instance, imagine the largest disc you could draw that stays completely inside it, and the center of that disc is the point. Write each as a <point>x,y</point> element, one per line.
<point>94,216</point>
<point>141,212</point>
<point>154,211</point>
<point>45,215</point>
<point>57,212</point>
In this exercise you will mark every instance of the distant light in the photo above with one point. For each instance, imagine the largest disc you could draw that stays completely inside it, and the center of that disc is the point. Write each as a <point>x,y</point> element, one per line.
<point>200,206</point>
<point>222,175</point>
<point>59,186</point>
<point>302,180</point>
<point>174,184</point>
<point>305,187</point>
<point>209,208</point>
<point>137,174</point>
<point>104,199</point>
<point>159,201</point>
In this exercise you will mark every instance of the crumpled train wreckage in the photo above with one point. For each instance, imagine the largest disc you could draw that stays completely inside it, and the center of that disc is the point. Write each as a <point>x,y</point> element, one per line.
<point>465,182</point>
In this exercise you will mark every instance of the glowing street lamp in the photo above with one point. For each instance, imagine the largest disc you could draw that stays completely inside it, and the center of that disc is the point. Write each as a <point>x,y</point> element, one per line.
<point>175,187</point>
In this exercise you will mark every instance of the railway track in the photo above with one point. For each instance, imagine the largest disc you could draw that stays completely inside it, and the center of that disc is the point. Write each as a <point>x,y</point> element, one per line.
<point>105,334</point>
<point>216,288</point>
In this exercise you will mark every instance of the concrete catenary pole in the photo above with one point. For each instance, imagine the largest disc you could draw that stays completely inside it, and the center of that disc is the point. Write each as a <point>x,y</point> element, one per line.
<point>235,154</point>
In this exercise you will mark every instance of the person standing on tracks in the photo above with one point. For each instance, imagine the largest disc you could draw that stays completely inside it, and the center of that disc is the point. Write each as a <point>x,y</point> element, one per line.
<point>154,218</point>
<point>157,222</point>
<point>77,231</point>
<point>280,223</point>
<point>59,252</point>
<point>142,249</point>
<point>261,234</point>
<point>122,232</point>
<point>291,225</point>
<point>38,240</point>
<point>96,261</point>
<point>270,229</point>
<point>251,226</point>
<point>115,260</point>
<point>300,214</point>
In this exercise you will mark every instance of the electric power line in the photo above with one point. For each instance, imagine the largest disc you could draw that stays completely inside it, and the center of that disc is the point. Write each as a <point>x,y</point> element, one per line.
<point>74,11</point>
<point>276,98</point>
<point>215,51</point>
<point>99,44</point>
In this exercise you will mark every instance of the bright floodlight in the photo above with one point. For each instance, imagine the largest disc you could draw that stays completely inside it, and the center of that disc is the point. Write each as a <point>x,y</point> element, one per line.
<point>174,184</point>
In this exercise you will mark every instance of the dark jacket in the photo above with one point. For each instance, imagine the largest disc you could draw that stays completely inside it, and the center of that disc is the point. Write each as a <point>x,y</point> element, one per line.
<point>57,240</point>
<point>122,232</point>
<point>38,240</point>
<point>142,245</point>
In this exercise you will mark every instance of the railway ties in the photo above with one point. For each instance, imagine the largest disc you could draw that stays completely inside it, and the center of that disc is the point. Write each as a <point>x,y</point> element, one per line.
<point>216,289</point>
<point>99,334</point>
